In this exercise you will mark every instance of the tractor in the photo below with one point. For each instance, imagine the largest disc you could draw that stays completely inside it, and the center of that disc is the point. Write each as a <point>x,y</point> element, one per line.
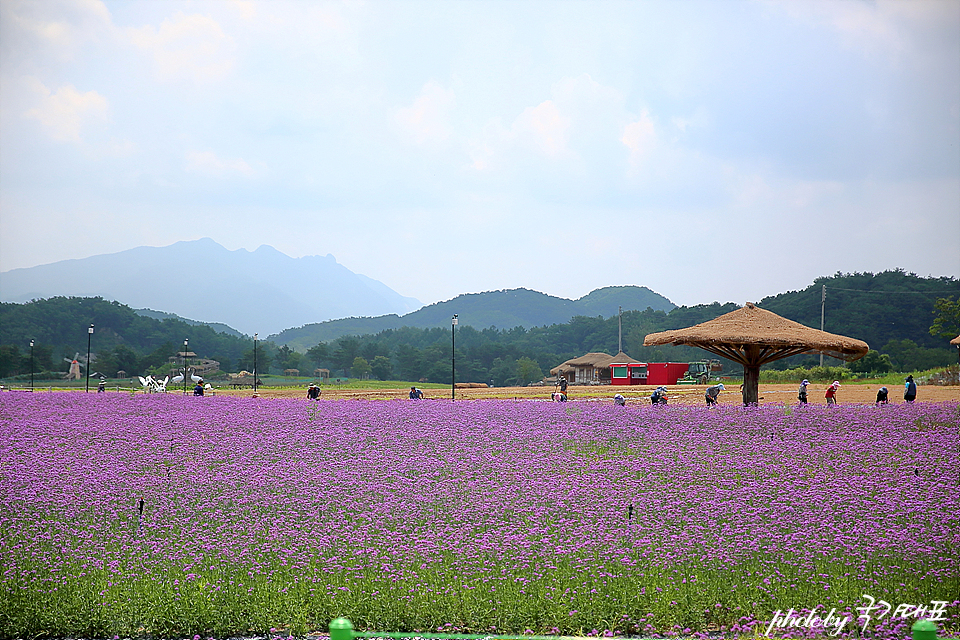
<point>699,372</point>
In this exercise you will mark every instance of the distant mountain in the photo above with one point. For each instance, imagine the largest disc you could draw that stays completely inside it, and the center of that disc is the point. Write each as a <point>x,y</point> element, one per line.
<point>261,291</point>
<point>504,309</point>
<point>219,327</point>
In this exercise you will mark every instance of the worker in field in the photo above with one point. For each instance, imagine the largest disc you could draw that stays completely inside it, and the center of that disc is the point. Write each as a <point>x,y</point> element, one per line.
<point>313,392</point>
<point>713,393</point>
<point>909,389</point>
<point>619,400</point>
<point>831,394</point>
<point>802,393</point>
<point>416,394</point>
<point>882,396</point>
<point>659,396</point>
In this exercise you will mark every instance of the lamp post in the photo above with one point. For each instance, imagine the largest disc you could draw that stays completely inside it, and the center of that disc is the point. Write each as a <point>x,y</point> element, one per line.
<point>255,364</point>
<point>185,341</point>
<point>31,365</point>
<point>453,357</point>
<point>89,335</point>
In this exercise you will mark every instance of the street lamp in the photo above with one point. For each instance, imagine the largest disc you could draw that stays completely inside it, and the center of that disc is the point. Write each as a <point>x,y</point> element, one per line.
<point>255,364</point>
<point>89,335</point>
<point>453,357</point>
<point>31,365</point>
<point>185,340</point>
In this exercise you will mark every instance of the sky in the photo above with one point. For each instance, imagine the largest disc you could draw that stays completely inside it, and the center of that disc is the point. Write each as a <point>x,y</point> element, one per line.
<point>711,151</point>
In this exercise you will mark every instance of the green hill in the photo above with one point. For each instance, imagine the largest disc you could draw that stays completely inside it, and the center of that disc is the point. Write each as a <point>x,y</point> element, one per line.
<point>504,309</point>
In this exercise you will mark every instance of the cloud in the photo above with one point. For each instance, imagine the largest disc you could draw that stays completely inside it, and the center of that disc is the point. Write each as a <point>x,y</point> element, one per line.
<point>66,112</point>
<point>545,126</point>
<point>207,163</point>
<point>427,120</point>
<point>639,137</point>
<point>186,47</point>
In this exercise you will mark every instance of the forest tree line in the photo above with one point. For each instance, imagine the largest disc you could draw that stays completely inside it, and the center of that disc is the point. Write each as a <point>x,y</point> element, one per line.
<point>906,320</point>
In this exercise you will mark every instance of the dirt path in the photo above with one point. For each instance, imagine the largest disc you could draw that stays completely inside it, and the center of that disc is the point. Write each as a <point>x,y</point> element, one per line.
<point>687,395</point>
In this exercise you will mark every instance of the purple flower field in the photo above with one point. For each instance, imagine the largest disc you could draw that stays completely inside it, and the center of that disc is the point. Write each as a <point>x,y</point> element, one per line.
<point>468,517</point>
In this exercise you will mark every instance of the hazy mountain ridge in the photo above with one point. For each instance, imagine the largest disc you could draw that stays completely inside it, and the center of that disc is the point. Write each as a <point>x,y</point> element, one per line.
<point>503,309</point>
<point>260,291</point>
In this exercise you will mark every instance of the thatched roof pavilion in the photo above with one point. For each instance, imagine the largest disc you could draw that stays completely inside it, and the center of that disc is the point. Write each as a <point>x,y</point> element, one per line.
<point>753,337</point>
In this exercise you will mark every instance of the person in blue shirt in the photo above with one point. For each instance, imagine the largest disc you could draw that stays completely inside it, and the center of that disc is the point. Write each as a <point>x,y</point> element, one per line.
<point>909,389</point>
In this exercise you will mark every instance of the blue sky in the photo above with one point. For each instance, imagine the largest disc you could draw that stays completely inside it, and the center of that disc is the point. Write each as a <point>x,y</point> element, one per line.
<point>708,150</point>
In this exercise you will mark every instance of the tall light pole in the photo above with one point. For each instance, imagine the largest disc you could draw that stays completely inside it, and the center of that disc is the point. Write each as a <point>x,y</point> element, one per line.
<point>89,335</point>
<point>255,364</point>
<point>31,365</point>
<point>453,357</point>
<point>185,341</point>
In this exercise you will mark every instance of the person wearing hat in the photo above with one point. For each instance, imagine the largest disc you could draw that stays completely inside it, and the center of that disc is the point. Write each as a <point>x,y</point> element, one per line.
<point>712,393</point>
<point>313,392</point>
<point>619,400</point>
<point>882,396</point>
<point>659,396</point>
<point>802,394</point>
<point>831,394</point>
<point>909,389</point>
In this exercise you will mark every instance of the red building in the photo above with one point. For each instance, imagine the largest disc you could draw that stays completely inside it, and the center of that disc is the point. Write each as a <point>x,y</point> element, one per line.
<point>664,373</point>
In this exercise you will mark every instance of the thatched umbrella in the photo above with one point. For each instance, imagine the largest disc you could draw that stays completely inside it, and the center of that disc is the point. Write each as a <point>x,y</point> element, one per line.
<point>753,337</point>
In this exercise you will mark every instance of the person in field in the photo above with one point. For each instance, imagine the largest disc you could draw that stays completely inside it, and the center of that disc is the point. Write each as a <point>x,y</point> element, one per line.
<point>659,396</point>
<point>619,400</point>
<point>802,393</point>
<point>882,396</point>
<point>713,393</point>
<point>416,394</point>
<point>313,392</point>
<point>831,394</point>
<point>909,389</point>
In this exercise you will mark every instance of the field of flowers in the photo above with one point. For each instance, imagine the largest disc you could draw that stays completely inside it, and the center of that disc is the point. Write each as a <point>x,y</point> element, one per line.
<point>471,517</point>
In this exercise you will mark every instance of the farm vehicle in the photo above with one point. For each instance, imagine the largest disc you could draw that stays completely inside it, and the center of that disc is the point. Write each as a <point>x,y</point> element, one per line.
<point>699,372</point>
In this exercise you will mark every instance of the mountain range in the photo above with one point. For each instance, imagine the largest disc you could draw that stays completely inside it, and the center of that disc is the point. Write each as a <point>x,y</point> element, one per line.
<point>500,309</point>
<point>261,291</point>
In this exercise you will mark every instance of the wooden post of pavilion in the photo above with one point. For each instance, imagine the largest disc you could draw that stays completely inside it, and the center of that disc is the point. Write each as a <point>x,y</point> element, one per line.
<point>753,337</point>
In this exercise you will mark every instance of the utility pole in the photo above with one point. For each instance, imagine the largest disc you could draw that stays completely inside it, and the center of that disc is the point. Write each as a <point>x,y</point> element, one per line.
<point>619,329</point>
<point>453,356</point>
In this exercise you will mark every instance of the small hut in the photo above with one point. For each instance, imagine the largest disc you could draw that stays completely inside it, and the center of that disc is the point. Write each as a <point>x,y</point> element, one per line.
<point>754,337</point>
<point>590,368</point>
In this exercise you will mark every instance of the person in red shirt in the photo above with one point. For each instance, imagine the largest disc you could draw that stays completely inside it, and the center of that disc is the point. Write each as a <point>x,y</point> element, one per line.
<point>831,395</point>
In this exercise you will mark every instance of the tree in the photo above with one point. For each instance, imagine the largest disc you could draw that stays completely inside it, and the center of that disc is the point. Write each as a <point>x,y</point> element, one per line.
<point>873,362</point>
<point>263,360</point>
<point>360,368</point>
<point>946,321</point>
<point>528,371</point>
<point>318,354</point>
<point>381,367</point>
<point>287,358</point>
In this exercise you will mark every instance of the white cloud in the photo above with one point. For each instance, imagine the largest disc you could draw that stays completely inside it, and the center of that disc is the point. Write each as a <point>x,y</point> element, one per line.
<point>208,163</point>
<point>639,137</point>
<point>545,126</point>
<point>66,112</point>
<point>186,46</point>
<point>427,120</point>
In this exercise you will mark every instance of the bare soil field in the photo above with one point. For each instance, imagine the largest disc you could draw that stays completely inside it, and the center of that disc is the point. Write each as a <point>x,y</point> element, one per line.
<point>635,395</point>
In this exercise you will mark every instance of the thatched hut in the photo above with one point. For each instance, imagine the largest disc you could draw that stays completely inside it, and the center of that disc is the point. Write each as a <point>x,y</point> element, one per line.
<point>590,368</point>
<point>754,337</point>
